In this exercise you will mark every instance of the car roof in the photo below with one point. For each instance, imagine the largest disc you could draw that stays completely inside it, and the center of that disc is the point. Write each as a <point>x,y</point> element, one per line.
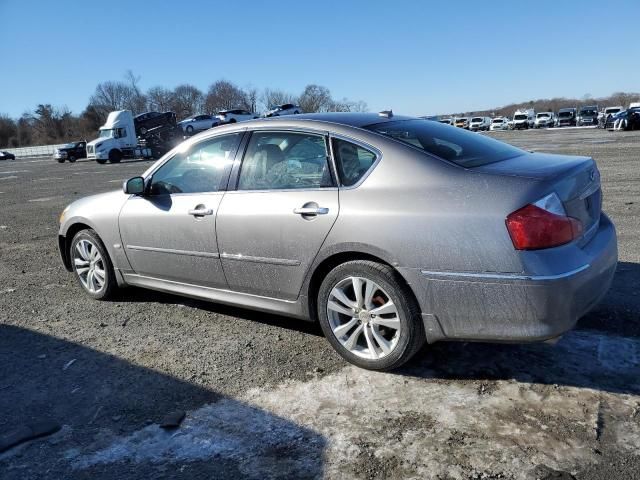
<point>351,119</point>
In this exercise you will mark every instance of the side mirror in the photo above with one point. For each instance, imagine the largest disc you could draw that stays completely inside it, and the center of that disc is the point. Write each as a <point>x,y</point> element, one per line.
<point>134,186</point>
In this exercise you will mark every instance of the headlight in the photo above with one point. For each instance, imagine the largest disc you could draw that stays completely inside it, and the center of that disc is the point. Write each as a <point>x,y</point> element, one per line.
<point>63,214</point>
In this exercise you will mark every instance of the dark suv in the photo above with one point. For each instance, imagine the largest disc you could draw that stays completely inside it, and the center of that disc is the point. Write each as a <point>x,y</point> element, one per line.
<point>71,151</point>
<point>146,121</point>
<point>588,115</point>
<point>567,117</point>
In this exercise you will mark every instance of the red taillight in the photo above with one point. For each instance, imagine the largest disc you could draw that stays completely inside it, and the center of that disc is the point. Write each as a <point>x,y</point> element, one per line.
<point>532,228</point>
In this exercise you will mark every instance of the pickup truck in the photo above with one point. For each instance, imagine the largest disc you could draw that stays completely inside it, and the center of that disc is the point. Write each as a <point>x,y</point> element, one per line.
<point>71,152</point>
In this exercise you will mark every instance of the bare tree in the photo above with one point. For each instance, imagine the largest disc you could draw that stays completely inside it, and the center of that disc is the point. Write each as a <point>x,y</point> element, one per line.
<point>159,99</point>
<point>251,98</point>
<point>186,100</point>
<point>271,97</point>
<point>315,98</point>
<point>8,130</point>
<point>224,95</point>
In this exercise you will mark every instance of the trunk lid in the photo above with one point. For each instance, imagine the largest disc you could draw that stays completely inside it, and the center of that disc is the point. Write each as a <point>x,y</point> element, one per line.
<point>576,180</point>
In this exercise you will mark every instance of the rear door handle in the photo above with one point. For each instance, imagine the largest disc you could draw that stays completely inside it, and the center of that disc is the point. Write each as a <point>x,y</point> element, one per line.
<point>311,211</point>
<point>201,212</point>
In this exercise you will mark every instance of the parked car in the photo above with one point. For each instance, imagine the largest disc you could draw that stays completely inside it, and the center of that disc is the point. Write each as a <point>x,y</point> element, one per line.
<point>523,119</point>
<point>284,109</point>
<point>233,116</point>
<point>628,119</point>
<point>567,117</point>
<point>6,155</point>
<point>587,116</point>
<point>71,152</point>
<point>146,121</point>
<point>480,123</point>
<point>503,245</point>
<point>545,120</point>
<point>198,123</point>
<point>462,122</point>
<point>447,121</point>
<point>500,123</point>
<point>607,113</point>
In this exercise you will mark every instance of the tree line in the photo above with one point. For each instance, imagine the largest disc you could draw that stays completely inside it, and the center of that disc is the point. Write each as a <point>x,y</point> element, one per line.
<point>48,124</point>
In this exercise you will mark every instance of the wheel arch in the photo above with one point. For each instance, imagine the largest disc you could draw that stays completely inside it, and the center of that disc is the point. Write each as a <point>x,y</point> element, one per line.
<point>328,262</point>
<point>64,242</point>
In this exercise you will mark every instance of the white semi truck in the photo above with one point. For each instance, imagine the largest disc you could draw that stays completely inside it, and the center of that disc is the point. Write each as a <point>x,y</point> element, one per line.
<point>119,139</point>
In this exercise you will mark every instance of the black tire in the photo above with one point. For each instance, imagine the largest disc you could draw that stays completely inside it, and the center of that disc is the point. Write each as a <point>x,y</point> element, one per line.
<point>189,129</point>
<point>72,159</point>
<point>411,335</point>
<point>115,156</point>
<point>101,161</point>
<point>296,112</point>
<point>110,283</point>
<point>60,160</point>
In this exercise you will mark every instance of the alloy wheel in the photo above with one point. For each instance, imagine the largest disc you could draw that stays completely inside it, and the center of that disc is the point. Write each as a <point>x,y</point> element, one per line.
<point>89,265</point>
<point>363,318</point>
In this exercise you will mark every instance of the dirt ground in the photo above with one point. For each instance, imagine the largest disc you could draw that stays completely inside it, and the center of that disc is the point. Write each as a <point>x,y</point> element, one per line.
<point>266,397</point>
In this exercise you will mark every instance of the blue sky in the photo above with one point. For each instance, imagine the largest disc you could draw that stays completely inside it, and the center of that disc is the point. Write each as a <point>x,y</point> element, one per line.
<point>417,57</point>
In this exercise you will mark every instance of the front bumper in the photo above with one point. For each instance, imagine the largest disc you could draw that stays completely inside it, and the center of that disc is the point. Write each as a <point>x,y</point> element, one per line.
<point>516,307</point>
<point>60,155</point>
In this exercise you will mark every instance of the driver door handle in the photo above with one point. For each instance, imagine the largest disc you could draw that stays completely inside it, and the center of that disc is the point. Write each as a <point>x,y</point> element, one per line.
<point>201,212</point>
<point>311,211</point>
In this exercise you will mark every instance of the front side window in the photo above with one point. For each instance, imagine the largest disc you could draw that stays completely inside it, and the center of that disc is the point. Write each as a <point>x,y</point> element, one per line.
<point>200,169</point>
<point>352,161</point>
<point>463,148</point>
<point>285,160</point>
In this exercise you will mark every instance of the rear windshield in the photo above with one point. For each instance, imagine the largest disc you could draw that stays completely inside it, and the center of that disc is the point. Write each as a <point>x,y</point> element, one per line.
<point>459,146</point>
<point>498,120</point>
<point>476,119</point>
<point>520,117</point>
<point>543,115</point>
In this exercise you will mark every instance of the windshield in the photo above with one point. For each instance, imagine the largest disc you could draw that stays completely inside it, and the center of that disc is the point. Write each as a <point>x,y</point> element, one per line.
<point>476,119</point>
<point>565,114</point>
<point>588,112</point>
<point>520,117</point>
<point>498,120</point>
<point>455,145</point>
<point>542,115</point>
<point>611,110</point>
<point>462,120</point>
<point>106,133</point>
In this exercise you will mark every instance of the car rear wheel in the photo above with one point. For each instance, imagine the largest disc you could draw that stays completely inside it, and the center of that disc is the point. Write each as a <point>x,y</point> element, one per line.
<point>92,266</point>
<point>369,316</point>
<point>189,129</point>
<point>72,159</point>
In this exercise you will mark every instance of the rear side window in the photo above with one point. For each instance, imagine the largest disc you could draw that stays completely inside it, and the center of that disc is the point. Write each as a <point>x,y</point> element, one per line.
<point>352,160</point>
<point>461,147</point>
<point>283,161</point>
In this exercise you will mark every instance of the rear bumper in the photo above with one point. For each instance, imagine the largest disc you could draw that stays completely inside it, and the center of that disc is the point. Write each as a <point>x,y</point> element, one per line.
<point>515,307</point>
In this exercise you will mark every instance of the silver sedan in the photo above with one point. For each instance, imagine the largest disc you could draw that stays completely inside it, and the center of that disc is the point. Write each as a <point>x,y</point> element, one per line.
<point>390,231</point>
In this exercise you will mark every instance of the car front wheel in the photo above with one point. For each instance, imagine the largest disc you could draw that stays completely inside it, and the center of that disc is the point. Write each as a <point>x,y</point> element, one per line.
<point>369,316</point>
<point>91,265</point>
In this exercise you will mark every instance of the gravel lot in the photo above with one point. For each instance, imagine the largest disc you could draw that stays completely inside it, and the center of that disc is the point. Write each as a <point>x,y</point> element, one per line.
<point>266,397</point>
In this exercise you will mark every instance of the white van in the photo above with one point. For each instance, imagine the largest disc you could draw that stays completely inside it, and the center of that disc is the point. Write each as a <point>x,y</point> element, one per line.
<point>524,118</point>
<point>480,123</point>
<point>500,123</point>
